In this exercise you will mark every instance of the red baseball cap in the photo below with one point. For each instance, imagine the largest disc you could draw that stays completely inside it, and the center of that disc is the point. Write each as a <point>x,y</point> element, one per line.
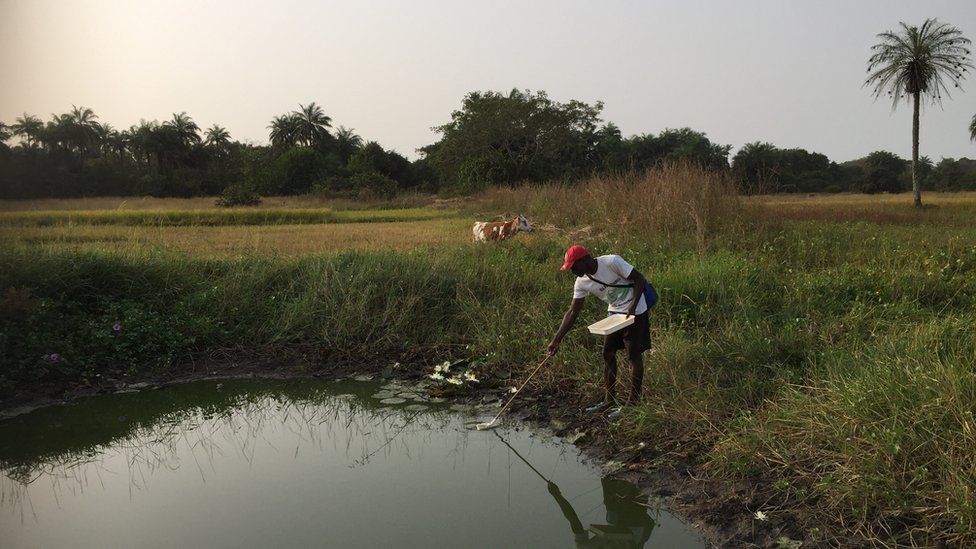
<point>573,254</point>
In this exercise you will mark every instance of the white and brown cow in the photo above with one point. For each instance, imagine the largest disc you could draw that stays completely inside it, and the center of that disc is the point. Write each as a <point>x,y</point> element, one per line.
<point>500,230</point>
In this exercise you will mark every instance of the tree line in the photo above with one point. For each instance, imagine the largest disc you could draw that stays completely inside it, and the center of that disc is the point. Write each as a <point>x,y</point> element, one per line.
<point>75,154</point>
<point>495,138</point>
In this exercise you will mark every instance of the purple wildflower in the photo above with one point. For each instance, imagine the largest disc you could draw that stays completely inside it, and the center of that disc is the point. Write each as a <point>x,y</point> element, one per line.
<point>116,327</point>
<point>54,357</point>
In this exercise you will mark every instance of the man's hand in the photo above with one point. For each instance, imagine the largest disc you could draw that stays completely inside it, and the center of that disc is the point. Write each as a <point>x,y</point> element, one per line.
<point>632,309</point>
<point>553,347</point>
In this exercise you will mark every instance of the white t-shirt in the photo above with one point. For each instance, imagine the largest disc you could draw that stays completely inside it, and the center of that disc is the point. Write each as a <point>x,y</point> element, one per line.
<point>611,269</point>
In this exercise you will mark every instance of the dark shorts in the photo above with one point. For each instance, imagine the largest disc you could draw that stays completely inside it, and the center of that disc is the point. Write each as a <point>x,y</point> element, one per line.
<point>636,338</point>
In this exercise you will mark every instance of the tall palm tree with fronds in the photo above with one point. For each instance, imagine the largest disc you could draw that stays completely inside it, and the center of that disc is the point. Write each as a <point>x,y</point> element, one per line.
<point>916,62</point>
<point>119,141</point>
<point>217,137</point>
<point>347,142</point>
<point>312,124</point>
<point>141,140</point>
<point>58,134</point>
<point>28,128</point>
<point>83,128</point>
<point>103,134</point>
<point>284,131</point>
<point>187,131</point>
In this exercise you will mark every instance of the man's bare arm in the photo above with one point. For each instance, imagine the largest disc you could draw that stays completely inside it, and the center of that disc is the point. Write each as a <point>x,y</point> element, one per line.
<point>568,320</point>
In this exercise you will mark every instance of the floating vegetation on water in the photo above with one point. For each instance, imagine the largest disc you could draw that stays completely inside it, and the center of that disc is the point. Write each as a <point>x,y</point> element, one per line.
<point>393,400</point>
<point>455,373</point>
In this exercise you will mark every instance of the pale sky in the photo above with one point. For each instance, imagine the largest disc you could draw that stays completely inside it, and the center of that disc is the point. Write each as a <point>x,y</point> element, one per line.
<point>787,72</point>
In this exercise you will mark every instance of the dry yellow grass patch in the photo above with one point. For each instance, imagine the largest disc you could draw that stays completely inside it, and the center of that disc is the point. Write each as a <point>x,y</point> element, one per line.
<point>247,239</point>
<point>956,209</point>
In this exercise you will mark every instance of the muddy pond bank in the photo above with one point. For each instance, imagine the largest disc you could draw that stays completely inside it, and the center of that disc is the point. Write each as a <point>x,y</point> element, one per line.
<point>721,512</point>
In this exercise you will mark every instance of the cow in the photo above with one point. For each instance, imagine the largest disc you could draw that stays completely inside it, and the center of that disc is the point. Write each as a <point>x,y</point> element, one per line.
<point>500,230</point>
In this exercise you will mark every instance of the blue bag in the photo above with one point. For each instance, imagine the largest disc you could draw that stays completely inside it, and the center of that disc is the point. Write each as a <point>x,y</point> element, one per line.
<point>650,295</point>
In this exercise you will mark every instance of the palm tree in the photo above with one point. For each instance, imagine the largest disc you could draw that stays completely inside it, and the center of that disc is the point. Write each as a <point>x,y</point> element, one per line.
<point>82,128</point>
<point>972,129</point>
<point>186,129</point>
<point>5,132</point>
<point>347,142</point>
<point>117,141</point>
<point>918,61</point>
<point>141,140</point>
<point>58,133</point>
<point>312,124</point>
<point>28,127</point>
<point>103,133</point>
<point>217,137</point>
<point>284,131</point>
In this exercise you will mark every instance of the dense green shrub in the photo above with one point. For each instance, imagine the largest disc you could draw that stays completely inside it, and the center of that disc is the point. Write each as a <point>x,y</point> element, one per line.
<point>238,195</point>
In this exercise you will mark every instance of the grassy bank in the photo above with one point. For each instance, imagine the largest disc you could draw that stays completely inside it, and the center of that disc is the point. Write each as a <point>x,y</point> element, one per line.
<point>830,362</point>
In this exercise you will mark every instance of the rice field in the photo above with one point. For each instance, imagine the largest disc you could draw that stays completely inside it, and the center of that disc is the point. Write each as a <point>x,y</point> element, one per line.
<point>235,240</point>
<point>957,209</point>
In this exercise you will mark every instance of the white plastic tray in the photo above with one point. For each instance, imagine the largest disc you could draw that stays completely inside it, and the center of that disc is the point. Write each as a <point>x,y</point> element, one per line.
<point>611,324</point>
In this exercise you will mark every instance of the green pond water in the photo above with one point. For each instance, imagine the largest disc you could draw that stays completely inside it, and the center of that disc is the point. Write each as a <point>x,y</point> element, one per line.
<point>258,463</point>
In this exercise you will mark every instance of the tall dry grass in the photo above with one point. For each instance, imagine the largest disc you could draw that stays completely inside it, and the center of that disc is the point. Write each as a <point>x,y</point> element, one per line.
<point>670,200</point>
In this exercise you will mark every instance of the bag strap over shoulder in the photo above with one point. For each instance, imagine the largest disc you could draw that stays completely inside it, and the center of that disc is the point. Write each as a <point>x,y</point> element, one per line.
<point>604,284</point>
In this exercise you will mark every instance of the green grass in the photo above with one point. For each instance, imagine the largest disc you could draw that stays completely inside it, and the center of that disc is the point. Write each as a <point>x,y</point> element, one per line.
<point>832,362</point>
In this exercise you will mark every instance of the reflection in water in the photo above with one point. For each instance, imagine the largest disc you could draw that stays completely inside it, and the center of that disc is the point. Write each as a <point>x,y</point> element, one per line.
<point>629,526</point>
<point>262,463</point>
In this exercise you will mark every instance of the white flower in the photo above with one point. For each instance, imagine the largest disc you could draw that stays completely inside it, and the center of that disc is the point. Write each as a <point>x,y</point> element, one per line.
<point>512,390</point>
<point>438,369</point>
<point>446,367</point>
<point>469,376</point>
<point>454,381</point>
<point>436,375</point>
<point>761,516</point>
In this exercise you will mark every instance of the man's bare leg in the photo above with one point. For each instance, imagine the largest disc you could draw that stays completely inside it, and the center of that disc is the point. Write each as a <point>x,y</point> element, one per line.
<point>610,376</point>
<point>636,378</point>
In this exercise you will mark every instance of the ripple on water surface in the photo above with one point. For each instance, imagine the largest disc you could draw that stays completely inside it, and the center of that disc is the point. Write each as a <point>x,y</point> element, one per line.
<point>261,463</point>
